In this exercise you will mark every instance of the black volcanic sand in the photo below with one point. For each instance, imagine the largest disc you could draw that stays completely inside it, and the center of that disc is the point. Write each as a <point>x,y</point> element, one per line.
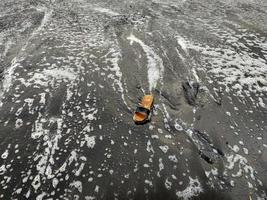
<point>72,73</point>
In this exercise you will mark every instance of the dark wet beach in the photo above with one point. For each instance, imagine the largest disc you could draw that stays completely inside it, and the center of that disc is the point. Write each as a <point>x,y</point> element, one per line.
<point>72,73</point>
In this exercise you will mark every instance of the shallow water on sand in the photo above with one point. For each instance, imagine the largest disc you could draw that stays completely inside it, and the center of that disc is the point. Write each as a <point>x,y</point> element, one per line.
<point>73,72</point>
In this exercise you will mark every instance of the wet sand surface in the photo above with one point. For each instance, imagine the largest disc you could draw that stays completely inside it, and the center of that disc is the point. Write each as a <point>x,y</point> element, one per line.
<point>72,73</point>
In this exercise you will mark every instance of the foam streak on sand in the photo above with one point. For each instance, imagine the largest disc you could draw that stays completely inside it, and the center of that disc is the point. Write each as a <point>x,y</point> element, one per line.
<point>106,11</point>
<point>117,76</point>
<point>182,43</point>
<point>238,72</point>
<point>155,66</point>
<point>15,63</point>
<point>8,76</point>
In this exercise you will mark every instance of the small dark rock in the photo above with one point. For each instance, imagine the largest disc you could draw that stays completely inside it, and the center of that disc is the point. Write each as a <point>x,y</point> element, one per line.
<point>138,86</point>
<point>220,152</point>
<point>206,158</point>
<point>190,92</point>
<point>218,102</point>
<point>260,84</point>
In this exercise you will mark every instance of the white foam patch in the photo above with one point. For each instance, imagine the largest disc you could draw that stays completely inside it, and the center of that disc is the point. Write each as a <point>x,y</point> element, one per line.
<point>149,183</point>
<point>192,190</point>
<point>42,96</point>
<point>45,77</point>
<point>8,45</point>
<point>232,159</point>
<point>239,72</point>
<point>235,148</point>
<point>177,126</point>
<point>77,185</point>
<point>38,129</point>
<point>115,68</point>
<point>5,154</point>
<point>59,73</point>
<point>90,141</point>
<point>36,183</point>
<point>55,182</point>
<point>46,158</point>
<point>106,11</point>
<point>161,167</point>
<point>47,132</point>
<point>168,184</point>
<point>154,63</point>
<point>46,18</point>
<point>41,196</point>
<point>261,103</point>
<point>239,165</point>
<point>3,169</point>
<point>90,198</point>
<point>18,123</point>
<point>195,74</point>
<point>164,148</point>
<point>9,73</point>
<point>149,147</point>
<point>173,158</point>
<point>181,41</point>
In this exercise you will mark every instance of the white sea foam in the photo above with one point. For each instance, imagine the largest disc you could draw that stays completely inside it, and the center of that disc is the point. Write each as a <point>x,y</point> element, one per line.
<point>8,45</point>
<point>5,154</point>
<point>195,74</point>
<point>154,63</point>
<point>15,63</point>
<point>90,141</point>
<point>241,163</point>
<point>77,185</point>
<point>182,42</point>
<point>36,183</point>
<point>41,196</point>
<point>168,184</point>
<point>164,148</point>
<point>46,18</point>
<point>18,123</point>
<point>192,190</point>
<point>177,126</point>
<point>3,169</point>
<point>38,130</point>
<point>149,183</point>
<point>173,158</point>
<point>161,166</point>
<point>238,72</point>
<point>106,11</point>
<point>149,147</point>
<point>59,73</point>
<point>48,76</point>
<point>114,67</point>
<point>8,75</point>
